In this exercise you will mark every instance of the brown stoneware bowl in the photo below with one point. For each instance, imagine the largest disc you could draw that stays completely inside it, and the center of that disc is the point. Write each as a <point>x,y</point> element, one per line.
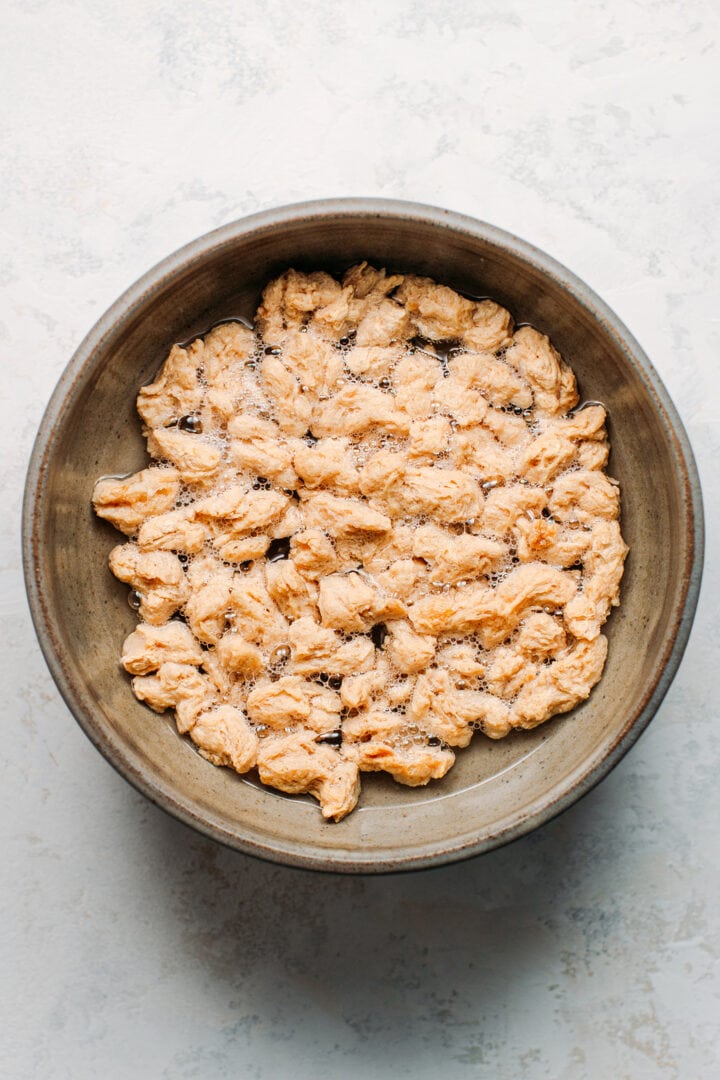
<point>497,790</point>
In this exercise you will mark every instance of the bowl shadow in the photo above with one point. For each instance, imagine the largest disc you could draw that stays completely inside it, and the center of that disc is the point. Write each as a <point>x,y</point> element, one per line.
<point>415,959</point>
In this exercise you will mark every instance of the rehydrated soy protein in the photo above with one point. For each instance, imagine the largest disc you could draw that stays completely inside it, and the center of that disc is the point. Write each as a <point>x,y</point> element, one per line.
<point>375,524</point>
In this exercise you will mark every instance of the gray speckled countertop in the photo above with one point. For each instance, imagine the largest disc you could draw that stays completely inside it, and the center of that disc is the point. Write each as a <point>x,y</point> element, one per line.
<point>135,948</point>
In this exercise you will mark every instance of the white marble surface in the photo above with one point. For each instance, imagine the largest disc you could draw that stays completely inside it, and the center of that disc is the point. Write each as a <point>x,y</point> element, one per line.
<point>134,948</point>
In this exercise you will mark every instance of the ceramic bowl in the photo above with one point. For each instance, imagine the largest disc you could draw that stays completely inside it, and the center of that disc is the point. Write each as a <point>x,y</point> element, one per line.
<point>497,790</point>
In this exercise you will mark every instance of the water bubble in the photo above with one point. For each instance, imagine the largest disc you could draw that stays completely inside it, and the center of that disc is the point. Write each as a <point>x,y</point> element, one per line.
<point>330,738</point>
<point>384,384</point>
<point>246,567</point>
<point>191,423</point>
<point>279,549</point>
<point>135,599</point>
<point>281,654</point>
<point>272,350</point>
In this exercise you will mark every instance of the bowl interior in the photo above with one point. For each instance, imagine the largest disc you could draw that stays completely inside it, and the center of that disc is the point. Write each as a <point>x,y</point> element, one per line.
<point>496,789</point>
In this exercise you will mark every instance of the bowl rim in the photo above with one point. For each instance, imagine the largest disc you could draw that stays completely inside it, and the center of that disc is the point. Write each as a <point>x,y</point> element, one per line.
<point>70,382</point>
